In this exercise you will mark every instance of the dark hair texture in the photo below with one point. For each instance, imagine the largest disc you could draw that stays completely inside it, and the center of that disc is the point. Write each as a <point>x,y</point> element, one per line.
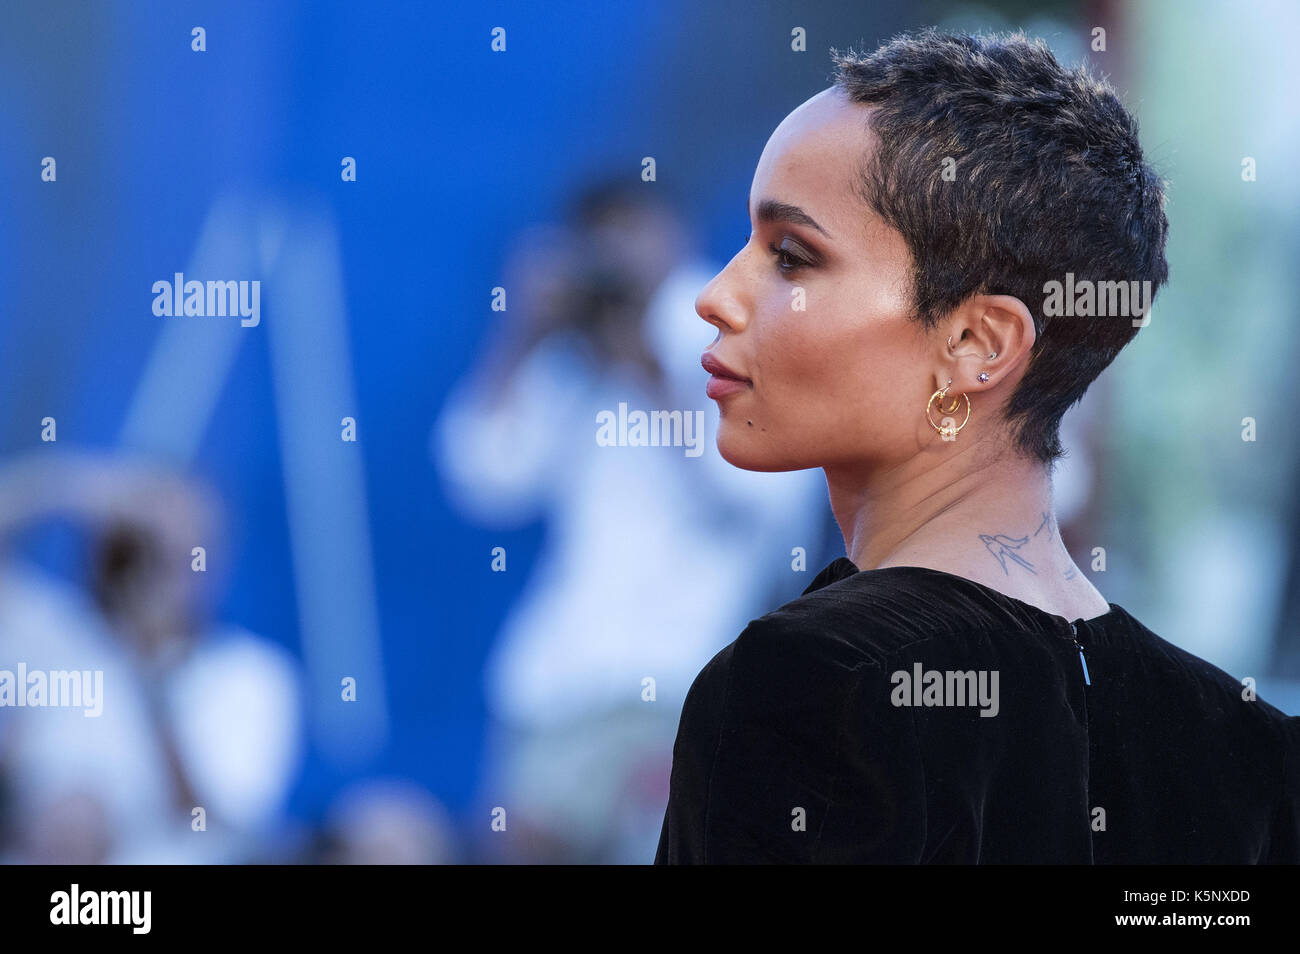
<point>1049,179</point>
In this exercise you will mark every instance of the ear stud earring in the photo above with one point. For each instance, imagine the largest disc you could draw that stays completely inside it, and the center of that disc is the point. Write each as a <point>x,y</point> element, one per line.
<point>983,375</point>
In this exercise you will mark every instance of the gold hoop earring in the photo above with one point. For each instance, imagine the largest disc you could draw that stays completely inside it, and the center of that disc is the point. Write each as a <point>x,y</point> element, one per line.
<point>947,433</point>
<point>942,409</point>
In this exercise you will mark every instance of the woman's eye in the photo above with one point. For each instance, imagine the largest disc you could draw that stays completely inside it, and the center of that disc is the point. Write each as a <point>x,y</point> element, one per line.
<point>787,261</point>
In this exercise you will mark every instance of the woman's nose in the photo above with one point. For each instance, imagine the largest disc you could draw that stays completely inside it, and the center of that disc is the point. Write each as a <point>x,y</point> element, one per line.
<point>718,303</point>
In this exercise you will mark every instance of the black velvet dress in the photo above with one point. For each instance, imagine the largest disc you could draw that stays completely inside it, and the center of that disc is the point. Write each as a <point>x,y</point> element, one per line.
<point>906,715</point>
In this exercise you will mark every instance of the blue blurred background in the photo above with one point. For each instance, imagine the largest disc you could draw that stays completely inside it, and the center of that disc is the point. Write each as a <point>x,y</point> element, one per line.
<point>329,559</point>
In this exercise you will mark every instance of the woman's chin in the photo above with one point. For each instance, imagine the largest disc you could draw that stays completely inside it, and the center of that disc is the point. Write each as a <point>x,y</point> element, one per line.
<point>746,451</point>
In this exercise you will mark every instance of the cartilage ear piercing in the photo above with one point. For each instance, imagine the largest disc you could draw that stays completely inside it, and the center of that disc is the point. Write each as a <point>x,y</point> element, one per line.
<point>983,376</point>
<point>992,355</point>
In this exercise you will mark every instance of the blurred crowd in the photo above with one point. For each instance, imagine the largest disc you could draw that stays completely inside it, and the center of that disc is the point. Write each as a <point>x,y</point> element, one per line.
<point>199,726</point>
<point>654,559</point>
<point>191,752</point>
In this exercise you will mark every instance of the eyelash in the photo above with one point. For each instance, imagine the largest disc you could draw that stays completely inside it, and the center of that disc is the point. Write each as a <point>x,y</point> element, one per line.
<point>791,265</point>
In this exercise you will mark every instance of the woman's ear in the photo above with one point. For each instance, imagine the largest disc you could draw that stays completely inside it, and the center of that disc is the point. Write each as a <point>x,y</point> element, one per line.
<point>990,334</point>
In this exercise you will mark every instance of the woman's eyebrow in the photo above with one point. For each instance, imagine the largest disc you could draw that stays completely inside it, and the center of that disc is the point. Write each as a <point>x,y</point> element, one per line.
<point>770,210</point>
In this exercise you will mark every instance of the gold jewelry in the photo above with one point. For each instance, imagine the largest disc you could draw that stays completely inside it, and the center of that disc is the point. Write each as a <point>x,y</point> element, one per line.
<point>946,432</point>
<point>942,409</point>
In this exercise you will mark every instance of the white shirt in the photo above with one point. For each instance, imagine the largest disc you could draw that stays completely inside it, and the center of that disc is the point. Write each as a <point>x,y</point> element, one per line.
<point>233,706</point>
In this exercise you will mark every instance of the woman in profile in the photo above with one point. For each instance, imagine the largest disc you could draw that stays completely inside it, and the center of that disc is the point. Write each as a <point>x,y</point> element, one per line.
<point>954,689</point>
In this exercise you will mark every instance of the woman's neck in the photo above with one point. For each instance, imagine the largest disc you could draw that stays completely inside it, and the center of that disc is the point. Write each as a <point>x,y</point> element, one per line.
<point>979,514</point>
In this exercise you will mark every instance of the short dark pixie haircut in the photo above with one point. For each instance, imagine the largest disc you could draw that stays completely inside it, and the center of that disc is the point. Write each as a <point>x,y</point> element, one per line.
<point>1050,179</point>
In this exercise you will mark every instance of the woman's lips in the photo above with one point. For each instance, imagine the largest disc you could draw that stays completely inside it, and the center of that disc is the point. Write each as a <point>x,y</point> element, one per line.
<point>722,380</point>
<point>721,387</point>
